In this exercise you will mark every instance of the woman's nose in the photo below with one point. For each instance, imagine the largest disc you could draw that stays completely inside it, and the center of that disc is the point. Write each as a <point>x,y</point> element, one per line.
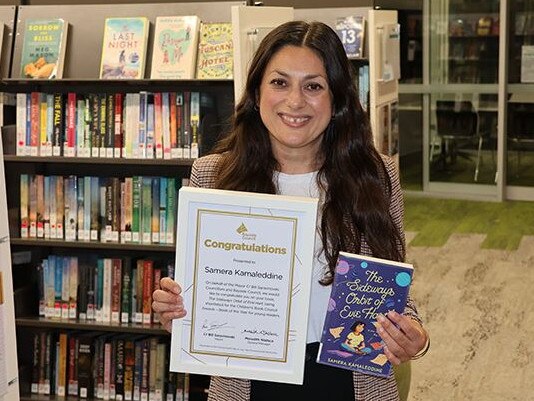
<point>295,98</point>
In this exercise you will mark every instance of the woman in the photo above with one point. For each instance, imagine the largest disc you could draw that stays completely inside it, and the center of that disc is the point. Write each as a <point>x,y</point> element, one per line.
<point>300,130</point>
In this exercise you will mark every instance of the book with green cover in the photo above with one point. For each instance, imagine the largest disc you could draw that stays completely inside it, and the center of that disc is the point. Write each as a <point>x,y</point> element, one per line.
<point>43,48</point>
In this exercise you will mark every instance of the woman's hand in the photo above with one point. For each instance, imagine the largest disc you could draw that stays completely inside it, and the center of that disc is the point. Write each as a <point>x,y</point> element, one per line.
<point>168,302</point>
<point>404,337</point>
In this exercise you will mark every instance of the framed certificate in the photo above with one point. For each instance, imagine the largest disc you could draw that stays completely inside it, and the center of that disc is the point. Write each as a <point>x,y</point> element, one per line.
<point>244,261</point>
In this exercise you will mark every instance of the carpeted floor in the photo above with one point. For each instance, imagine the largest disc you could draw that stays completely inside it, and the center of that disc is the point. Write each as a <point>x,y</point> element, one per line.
<point>477,305</point>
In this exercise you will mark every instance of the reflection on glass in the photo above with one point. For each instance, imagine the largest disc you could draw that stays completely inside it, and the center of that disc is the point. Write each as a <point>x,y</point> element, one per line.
<point>463,138</point>
<point>411,46</point>
<point>521,140</point>
<point>411,141</point>
<point>521,42</point>
<point>464,41</point>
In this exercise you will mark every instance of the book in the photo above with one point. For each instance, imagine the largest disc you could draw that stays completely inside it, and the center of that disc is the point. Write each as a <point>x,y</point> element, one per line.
<point>363,288</point>
<point>124,48</point>
<point>175,47</point>
<point>351,31</point>
<point>215,51</point>
<point>43,48</point>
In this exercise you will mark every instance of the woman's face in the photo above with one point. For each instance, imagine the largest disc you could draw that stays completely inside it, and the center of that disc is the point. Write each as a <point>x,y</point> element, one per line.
<point>295,101</point>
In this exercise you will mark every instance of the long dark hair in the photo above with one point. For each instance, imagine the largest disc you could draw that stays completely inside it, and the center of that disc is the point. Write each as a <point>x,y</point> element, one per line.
<point>353,176</point>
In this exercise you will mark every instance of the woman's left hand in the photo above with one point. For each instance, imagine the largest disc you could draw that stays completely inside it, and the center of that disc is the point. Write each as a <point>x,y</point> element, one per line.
<point>403,337</point>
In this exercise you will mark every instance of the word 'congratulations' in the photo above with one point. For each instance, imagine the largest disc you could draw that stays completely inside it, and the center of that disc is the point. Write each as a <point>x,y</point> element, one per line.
<point>234,246</point>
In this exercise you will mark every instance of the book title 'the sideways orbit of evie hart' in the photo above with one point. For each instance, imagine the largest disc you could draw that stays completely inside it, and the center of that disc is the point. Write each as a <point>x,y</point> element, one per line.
<point>363,288</point>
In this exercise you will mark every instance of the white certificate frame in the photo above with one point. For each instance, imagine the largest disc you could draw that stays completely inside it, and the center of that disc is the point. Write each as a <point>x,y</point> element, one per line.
<point>279,232</point>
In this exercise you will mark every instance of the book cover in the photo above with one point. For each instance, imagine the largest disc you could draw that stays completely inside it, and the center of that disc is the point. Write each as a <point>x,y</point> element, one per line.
<point>43,49</point>
<point>351,31</point>
<point>175,47</point>
<point>363,288</point>
<point>124,48</point>
<point>215,51</point>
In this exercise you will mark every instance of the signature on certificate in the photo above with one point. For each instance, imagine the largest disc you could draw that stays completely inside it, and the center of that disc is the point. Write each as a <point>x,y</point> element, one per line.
<point>260,332</point>
<point>215,325</point>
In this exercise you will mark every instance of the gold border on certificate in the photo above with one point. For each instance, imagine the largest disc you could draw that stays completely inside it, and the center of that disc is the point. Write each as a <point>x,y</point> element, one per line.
<point>192,349</point>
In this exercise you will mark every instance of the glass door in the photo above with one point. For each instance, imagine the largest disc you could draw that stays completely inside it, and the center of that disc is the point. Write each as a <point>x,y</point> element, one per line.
<point>462,97</point>
<point>520,123</point>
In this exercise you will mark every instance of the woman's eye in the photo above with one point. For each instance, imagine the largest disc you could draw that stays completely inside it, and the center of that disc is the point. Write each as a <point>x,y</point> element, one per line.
<point>278,82</point>
<point>314,87</point>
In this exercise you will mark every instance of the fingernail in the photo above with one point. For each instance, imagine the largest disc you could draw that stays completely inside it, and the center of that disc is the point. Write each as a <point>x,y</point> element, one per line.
<point>381,318</point>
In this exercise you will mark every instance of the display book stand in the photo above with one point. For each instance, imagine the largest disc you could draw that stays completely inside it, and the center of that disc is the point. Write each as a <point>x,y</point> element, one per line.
<point>80,73</point>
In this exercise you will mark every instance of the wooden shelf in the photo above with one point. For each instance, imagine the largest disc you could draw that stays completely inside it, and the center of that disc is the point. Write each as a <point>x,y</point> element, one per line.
<point>91,245</point>
<point>90,325</point>
<point>98,160</point>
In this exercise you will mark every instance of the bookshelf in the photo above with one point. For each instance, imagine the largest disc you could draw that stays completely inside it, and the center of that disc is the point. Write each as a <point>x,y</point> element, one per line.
<point>81,71</point>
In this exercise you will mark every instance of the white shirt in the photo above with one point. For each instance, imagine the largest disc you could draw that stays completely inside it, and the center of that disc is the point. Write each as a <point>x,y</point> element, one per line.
<point>306,185</point>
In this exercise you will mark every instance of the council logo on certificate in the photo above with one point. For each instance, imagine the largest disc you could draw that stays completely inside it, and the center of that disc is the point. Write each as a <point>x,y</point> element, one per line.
<point>244,261</point>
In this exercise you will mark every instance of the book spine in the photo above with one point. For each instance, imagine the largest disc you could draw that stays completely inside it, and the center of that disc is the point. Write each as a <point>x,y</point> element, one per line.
<point>73,287</point>
<point>119,369</point>
<point>138,370</point>
<point>180,126</point>
<point>139,291</point>
<point>165,125</point>
<point>72,386</point>
<point>61,379</point>
<point>46,217</point>
<point>158,125</point>
<point>128,193</point>
<point>129,366</point>
<point>145,360</point>
<point>80,127</point>
<point>80,208</point>
<point>150,128</point>
<point>173,126</point>
<point>85,366</point>
<point>60,210</point>
<point>35,116</point>
<point>53,207</point>
<point>102,123</point>
<point>126,306</point>
<point>95,125</point>
<point>116,290</point>
<point>195,123</point>
<point>24,205</point>
<point>87,208</point>
<point>42,125</point>
<point>21,124</point>
<point>148,286</point>
<point>70,144</point>
<point>40,205</point>
<point>110,125</point>
<point>106,290</point>
<point>118,128</point>
<point>152,368</point>
<point>49,124</point>
<point>65,287</point>
<point>36,363</point>
<point>155,209</point>
<point>142,124</point>
<point>58,125</point>
<point>146,210</point>
<point>95,209</point>
<point>163,210</point>
<point>187,124</point>
<point>136,208</point>
<point>87,123</point>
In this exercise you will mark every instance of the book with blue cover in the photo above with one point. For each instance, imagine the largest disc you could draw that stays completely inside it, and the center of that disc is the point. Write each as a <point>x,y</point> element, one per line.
<point>363,288</point>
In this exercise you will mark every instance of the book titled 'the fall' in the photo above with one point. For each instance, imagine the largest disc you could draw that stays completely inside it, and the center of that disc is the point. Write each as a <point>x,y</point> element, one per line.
<point>363,288</point>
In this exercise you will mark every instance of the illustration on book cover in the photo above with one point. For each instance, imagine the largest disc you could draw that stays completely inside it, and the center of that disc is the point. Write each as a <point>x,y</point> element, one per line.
<point>363,288</point>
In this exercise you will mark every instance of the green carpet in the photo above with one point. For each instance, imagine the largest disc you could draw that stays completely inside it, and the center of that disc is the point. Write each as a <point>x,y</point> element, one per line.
<point>435,220</point>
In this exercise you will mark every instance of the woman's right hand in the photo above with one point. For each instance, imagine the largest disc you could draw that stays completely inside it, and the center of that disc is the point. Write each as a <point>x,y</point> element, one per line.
<point>168,302</point>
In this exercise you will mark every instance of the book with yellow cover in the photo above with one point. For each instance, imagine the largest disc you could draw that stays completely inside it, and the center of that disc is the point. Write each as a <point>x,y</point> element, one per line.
<point>215,51</point>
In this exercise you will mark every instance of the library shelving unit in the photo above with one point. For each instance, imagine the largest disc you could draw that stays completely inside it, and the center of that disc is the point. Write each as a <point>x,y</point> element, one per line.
<point>81,70</point>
